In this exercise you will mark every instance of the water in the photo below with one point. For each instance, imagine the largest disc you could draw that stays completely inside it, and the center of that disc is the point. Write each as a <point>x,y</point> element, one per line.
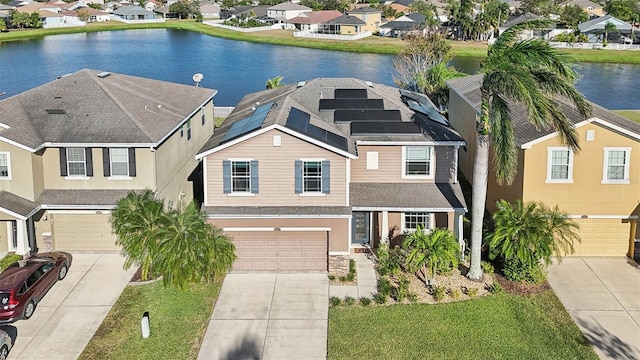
<point>236,68</point>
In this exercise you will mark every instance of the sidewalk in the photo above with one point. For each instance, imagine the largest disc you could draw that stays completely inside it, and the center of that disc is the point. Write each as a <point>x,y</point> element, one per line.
<point>366,279</point>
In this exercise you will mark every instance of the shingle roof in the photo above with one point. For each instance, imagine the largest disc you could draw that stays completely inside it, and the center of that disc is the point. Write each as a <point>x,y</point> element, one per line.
<point>520,19</point>
<point>289,6</point>
<point>407,195</point>
<point>247,211</point>
<point>16,204</point>
<point>87,109</point>
<point>315,17</point>
<point>582,3</point>
<point>600,22</point>
<point>104,199</point>
<point>132,10</point>
<point>364,10</point>
<point>468,88</point>
<point>347,20</point>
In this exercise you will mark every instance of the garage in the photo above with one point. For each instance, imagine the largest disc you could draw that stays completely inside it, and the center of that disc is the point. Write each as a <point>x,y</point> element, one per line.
<point>281,251</point>
<point>83,232</point>
<point>603,237</point>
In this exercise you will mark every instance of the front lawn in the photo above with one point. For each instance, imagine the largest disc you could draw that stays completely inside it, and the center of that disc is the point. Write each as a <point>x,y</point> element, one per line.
<point>178,320</point>
<point>493,327</point>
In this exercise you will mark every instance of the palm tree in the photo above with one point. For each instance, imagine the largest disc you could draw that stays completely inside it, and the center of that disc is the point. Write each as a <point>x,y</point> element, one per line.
<point>531,233</point>
<point>531,74</point>
<point>276,82</point>
<point>136,221</point>
<point>433,251</point>
<point>609,27</point>
<point>191,250</point>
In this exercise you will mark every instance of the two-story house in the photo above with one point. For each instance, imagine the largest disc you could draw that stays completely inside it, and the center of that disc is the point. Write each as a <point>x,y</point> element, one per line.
<point>286,10</point>
<point>598,187</point>
<point>301,175</point>
<point>71,148</point>
<point>372,17</point>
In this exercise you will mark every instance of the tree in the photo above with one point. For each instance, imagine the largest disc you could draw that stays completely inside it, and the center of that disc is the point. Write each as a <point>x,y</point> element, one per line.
<point>572,15</point>
<point>435,251</point>
<point>83,14</point>
<point>609,27</point>
<point>428,10</point>
<point>625,10</point>
<point>191,250</point>
<point>527,236</point>
<point>276,82</point>
<point>136,221</point>
<point>533,75</point>
<point>3,25</point>
<point>185,9</point>
<point>19,20</point>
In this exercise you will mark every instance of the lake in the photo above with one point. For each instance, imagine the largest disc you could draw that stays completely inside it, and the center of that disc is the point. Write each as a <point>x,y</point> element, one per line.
<point>236,68</point>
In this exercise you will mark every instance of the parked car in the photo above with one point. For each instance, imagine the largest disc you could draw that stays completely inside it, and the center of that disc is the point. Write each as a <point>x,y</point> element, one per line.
<point>5,344</point>
<point>24,283</point>
<point>626,40</point>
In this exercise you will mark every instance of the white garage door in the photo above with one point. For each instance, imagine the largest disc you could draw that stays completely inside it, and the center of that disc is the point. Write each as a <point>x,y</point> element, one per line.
<point>83,232</point>
<point>603,237</point>
<point>280,250</point>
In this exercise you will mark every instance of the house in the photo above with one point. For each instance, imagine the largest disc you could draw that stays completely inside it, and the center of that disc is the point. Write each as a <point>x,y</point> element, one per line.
<point>301,175</point>
<point>592,9</point>
<point>403,25</point>
<point>133,13</point>
<point>247,12</point>
<point>6,9</point>
<point>344,25</point>
<point>287,10</point>
<point>49,14</point>
<point>595,28</point>
<point>372,17</point>
<point>71,148</point>
<point>598,187</point>
<point>151,5</point>
<point>311,21</point>
<point>210,11</point>
<point>527,34</point>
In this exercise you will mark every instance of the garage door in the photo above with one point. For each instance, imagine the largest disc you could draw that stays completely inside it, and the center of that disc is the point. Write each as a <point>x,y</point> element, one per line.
<point>280,250</point>
<point>83,232</point>
<point>603,237</point>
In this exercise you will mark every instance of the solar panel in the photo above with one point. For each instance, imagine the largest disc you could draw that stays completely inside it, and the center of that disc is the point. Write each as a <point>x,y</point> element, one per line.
<point>366,115</point>
<point>337,141</point>
<point>298,120</point>
<point>350,94</point>
<point>371,128</point>
<point>351,104</point>
<point>251,123</point>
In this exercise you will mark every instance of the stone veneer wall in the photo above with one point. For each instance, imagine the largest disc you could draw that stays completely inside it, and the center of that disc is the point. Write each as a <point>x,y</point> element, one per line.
<point>338,264</point>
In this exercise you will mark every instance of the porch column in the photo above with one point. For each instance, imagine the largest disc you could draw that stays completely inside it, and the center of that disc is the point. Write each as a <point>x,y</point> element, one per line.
<point>458,231</point>
<point>632,238</point>
<point>385,226</point>
<point>23,238</point>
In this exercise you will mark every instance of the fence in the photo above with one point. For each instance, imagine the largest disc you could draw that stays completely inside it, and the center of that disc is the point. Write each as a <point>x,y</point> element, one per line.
<point>308,34</point>
<point>145,21</point>
<point>610,46</point>
<point>218,23</point>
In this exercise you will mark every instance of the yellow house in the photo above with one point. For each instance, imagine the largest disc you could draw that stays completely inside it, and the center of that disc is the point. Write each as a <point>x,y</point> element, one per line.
<point>71,148</point>
<point>592,9</point>
<point>372,17</point>
<point>599,186</point>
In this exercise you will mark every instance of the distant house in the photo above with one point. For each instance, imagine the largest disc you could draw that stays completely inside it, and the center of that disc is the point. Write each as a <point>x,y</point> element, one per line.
<point>312,21</point>
<point>344,25</point>
<point>133,13</point>
<point>372,17</point>
<point>527,34</point>
<point>6,9</point>
<point>152,4</point>
<point>286,11</point>
<point>592,9</point>
<point>594,28</point>
<point>93,15</point>
<point>403,25</point>
<point>210,11</point>
<point>50,15</point>
<point>244,11</point>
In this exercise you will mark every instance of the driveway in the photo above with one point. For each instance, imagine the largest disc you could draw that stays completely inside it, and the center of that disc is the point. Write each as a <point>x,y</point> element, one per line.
<point>602,294</point>
<point>69,315</point>
<point>269,316</point>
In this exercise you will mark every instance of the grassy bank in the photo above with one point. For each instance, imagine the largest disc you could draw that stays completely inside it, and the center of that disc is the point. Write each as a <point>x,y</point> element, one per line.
<point>178,320</point>
<point>494,327</point>
<point>372,44</point>
<point>629,114</point>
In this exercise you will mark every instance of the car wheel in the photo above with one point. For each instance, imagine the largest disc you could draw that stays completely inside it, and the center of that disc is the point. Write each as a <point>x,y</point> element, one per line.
<point>62,273</point>
<point>29,309</point>
<point>4,352</point>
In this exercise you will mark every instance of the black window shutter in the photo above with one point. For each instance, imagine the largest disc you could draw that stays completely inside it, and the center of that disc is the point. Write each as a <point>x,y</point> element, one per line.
<point>106,164</point>
<point>89,159</point>
<point>63,162</point>
<point>132,162</point>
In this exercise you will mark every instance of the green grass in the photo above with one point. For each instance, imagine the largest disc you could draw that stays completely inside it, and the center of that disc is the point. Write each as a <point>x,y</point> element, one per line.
<point>493,327</point>
<point>372,44</point>
<point>178,320</point>
<point>9,259</point>
<point>629,114</point>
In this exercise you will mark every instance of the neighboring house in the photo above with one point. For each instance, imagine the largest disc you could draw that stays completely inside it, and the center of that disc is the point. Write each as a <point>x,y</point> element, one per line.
<point>598,187</point>
<point>247,12</point>
<point>592,9</point>
<point>312,21</point>
<point>399,8</point>
<point>371,17</point>
<point>287,10</point>
<point>301,175</point>
<point>527,34</point>
<point>71,148</point>
<point>151,5</point>
<point>210,11</point>
<point>18,3</point>
<point>133,12</point>
<point>6,9</point>
<point>344,25</point>
<point>96,15</point>
<point>50,15</point>
<point>403,25</point>
<point>594,28</point>
<point>92,15</point>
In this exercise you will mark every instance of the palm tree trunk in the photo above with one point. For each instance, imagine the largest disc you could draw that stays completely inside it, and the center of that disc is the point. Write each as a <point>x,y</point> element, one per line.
<point>479,198</point>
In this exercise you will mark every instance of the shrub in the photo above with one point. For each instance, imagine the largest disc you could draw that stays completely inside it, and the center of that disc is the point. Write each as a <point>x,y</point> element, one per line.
<point>383,259</point>
<point>396,260</point>
<point>439,293</point>
<point>456,294</point>
<point>365,301</point>
<point>349,300</point>
<point>380,298</point>
<point>334,301</point>
<point>384,287</point>
<point>430,253</point>
<point>8,260</point>
<point>352,266</point>
<point>472,292</point>
<point>495,288</point>
<point>412,297</point>
<point>487,267</point>
<point>343,278</point>
<point>332,277</point>
<point>402,291</point>
<point>515,270</point>
<point>389,260</point>
<point>351,276</point>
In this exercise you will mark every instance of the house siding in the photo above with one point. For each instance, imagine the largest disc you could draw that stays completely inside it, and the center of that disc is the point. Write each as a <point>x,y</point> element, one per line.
<point>276,173</point>
<point>390,167</point>
<point>20,166</point>
<point>445,164</point>
<point>462,117</point>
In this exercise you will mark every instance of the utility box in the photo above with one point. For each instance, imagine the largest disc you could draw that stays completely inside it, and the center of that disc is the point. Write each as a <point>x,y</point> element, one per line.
<point>144,323</point>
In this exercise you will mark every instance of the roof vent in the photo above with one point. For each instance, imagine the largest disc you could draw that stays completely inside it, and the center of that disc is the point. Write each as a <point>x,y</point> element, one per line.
<point>302,83</point>
<point>369,84</point>
<point>55,111</point>
<point>103,74</point>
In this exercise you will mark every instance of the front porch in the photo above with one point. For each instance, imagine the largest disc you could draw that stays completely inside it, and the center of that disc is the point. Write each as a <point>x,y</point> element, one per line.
<point>17,227</point>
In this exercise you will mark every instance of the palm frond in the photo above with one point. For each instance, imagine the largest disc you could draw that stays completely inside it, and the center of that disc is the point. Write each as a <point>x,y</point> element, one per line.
<point>503,141</point>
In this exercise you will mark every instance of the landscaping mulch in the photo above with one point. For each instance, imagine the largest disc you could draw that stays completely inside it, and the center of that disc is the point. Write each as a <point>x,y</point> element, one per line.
<point>518,288</point>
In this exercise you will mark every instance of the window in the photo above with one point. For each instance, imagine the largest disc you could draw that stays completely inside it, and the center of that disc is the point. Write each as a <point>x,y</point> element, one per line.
<point>4,166</point>
<point>559,165</point>
<point>417,161</point>
<point>312,176</point>
<point>119,160</point>
<point>616,165</point>
<point>414,219</point>
<point>188,129</point>
<point>202,116</point>
<point>372,160</point>
<point>76,164</point>
<point>240,176</point>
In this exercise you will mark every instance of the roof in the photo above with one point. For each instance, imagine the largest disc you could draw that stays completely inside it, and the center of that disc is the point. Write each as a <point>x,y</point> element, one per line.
<point>403,25</point>
<point>132,10</point>
<point>315,17</point>
<point>249,211</point>
<point>289,6</point>
<point>6,7</point>
<point>392,120</point>
<point>582,4</point>
<point>600,22</point>
<point>407,196</point>
<point>520,19</point>
<point>364,10</point>
<point>104,199</point>
<point>468,88</point>
<point>16,204</point>
<point>347,20</point>
<point>94,107</point>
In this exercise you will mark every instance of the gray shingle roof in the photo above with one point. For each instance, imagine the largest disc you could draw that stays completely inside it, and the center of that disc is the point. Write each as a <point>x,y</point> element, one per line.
<point>241,211</point>
<point>87,109</point>
<point>132,10</point>
<point>407,196</point>
<point>364,10</point>
<point>101,199</point>
<point>16,204</point>
<point>347,20</point>
<point>468,88</point>
<point>520,19</point>
<point>600,22</point>
<point>289,6</point>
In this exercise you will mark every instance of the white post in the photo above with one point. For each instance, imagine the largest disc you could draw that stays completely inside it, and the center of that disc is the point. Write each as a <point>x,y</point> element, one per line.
<point>23,239</point>
<point>385,226</point>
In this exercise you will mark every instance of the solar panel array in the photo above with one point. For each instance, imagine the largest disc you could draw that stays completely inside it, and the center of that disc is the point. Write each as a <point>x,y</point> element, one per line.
<point>298,120</point>
<point>384,127</point>
<point>251,123</point>
<point>342,116</point>
<point>350,94</point>
<point>351,104</point>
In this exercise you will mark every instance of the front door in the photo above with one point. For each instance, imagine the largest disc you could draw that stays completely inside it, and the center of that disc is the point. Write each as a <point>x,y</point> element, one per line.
<point>361,228</point>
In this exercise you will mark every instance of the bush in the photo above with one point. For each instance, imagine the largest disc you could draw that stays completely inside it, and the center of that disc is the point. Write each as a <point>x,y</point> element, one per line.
<point>365,301</point>
<point>389,260</point>
<point>402,291</point>
<point>515,270</point>
<point>487,267</point>
<point>351,276</point>
<point>472,292</point>
<point>413,297</point>
<point>334,301</point>
<point>380,298</point>
<point>352,266</point>
<point>439,293</point>
<point>349,300</point>
<point>332,277</point>
<point>495,288</point>
<point>9,259</point>
<point>384,287</point>
<point>343,278</point>
<point>456,294</point>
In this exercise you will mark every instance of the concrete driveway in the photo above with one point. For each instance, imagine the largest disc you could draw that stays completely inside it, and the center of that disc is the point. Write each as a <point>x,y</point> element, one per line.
<point>269,316</point>
<point>69,315</point>
<point>602,294</point>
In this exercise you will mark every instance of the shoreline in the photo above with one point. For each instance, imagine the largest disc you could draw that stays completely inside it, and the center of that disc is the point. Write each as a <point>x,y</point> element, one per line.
<point>372,45</point>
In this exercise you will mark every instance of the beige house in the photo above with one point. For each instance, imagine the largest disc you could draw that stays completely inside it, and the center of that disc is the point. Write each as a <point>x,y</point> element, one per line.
<point>71,148</point>
<point>592,9</point>
<point>301,175</point>
<point>371,17</point>
<point>599,186</point>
